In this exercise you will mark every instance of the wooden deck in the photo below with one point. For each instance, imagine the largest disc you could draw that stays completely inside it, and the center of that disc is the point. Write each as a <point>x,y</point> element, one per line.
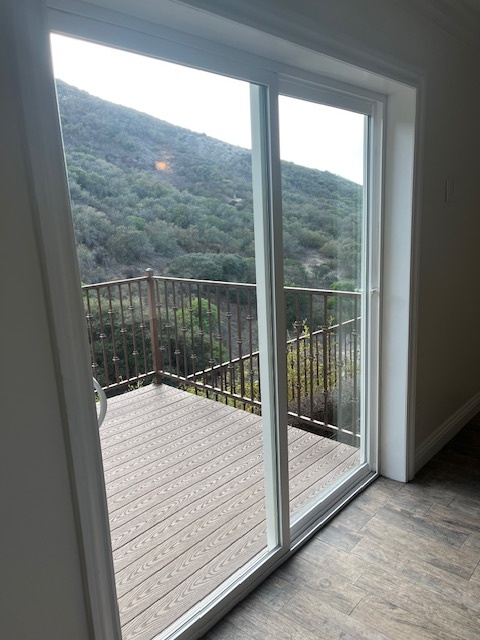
<point>185,489</point>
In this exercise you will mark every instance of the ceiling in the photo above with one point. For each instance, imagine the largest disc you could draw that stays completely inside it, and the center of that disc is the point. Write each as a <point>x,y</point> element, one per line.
<point>460,18</point>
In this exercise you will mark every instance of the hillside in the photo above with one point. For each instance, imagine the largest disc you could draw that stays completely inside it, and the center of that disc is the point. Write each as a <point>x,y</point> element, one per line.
<point>146,193</point>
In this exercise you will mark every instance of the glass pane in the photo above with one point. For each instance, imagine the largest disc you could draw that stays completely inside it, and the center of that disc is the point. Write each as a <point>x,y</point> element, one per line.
<point>159,166</point>
<point>322,151</point>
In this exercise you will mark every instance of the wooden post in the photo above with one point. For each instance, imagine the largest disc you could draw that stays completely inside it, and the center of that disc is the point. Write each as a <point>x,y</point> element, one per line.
<point>152,316</point>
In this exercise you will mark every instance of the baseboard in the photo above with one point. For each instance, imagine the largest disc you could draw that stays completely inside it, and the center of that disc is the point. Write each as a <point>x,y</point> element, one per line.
<point>446,431</point>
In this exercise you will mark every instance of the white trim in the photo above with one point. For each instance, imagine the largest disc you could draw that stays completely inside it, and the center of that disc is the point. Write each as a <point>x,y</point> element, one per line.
<point>446,431</point>
<point>398,286</point>
<point>346,98</point>
<point>163,45</point>
<point>414,279</point>
<point>267,215</point>
<point>374,174</point>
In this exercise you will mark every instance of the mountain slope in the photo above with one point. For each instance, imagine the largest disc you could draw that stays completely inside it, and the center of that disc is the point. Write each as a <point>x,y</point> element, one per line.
<point>148,193</point>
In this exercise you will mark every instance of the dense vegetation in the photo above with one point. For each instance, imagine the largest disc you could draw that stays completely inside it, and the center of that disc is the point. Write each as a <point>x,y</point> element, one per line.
<point>146,193</point>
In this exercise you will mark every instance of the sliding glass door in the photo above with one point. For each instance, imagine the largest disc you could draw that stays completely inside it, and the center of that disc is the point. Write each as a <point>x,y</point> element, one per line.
<point>238,365</point>
<point>325,222</point>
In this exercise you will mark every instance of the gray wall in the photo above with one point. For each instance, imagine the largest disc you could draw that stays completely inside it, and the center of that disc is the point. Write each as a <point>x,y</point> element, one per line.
<point>42,592</point>
<point>42,569</point>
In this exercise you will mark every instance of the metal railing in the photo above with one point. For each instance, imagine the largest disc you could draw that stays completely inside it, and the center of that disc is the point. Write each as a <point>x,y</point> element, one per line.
<point>202,335</point>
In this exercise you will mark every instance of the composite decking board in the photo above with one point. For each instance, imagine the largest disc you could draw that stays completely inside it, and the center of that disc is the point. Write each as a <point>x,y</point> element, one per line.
<point>142,425</point>
<point>303,482</point>
<point>200,486</point>
<point>175,446</point>
<point>162,421</point>
<point>303,453</point>
<point>217,509</point>
<point>186,461</point>
<point>131,397</point>
<point>153,473</point>
<point>185,594</point>
<point>217,505</point>
<point>199,433</point>
<point>185,489</point>
<point>136,531</point>
<point>151,500</point>
<point>147,464</point>
<point>189,501</point>
<point>154,427</point>
<point>301,442</point>
<point>125,413</point>
<point>181,445</point>
<point>136,396</point>
<point>175,559</point>
<point>146,407</point>
<point>172,498</point>
<point>135,402</point>
<point>128,424</point>
<point>172,482</point>
<point>239,439</point>
<point>164,612</point>
<point>158,399</point>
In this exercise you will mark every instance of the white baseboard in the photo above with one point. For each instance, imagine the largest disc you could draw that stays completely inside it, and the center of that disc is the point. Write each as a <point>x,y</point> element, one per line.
<point>446,431</point>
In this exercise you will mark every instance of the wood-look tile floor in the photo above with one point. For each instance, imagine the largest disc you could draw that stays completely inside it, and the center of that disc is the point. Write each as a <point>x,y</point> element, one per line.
<point>401,562</point>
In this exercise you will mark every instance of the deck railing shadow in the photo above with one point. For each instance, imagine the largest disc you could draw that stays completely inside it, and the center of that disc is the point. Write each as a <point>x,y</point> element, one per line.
<point>201,335</point>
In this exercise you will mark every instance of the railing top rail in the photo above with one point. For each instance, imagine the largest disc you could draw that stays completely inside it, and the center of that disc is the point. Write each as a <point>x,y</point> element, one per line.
<point>328,292</point>
<point>110,283</point>
<point>331,292</point>
<point>207,282</point>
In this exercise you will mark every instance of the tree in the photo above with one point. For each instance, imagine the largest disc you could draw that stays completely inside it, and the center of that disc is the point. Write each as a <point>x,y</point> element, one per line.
<point>192,340</point>
<point>129,246</point>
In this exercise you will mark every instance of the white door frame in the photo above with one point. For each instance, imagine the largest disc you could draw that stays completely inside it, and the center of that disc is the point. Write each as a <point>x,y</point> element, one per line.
<point>404,97</point>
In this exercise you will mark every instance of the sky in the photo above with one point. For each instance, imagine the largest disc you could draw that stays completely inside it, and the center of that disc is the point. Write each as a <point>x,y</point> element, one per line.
<point>311,135</point>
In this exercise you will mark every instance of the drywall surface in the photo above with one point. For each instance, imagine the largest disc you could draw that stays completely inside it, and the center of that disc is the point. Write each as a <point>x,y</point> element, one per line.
<point>376,33</point>
<point>42,591</point>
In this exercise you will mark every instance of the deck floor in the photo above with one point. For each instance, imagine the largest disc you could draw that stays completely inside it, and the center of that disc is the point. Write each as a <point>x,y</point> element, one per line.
<point>185,489</point>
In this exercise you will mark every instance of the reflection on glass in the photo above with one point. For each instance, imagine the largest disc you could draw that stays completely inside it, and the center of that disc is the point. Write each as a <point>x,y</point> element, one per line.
<point>323,214</point>
<point>183,458</point>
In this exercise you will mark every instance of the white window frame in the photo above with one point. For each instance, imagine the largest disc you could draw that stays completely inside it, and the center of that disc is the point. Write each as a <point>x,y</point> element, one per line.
<point>372,104</point>
<point>404,99</point>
